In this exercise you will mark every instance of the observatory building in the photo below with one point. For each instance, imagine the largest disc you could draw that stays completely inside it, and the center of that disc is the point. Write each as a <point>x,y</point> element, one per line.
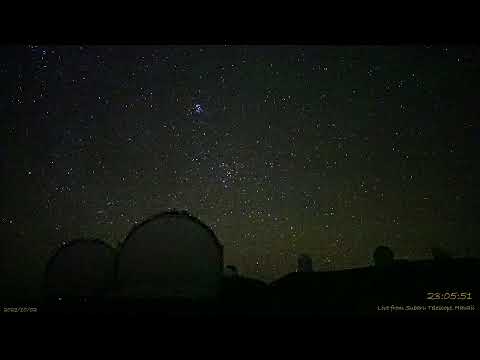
<point>304,263</point>
<point>170,255</point>
<point>80,268</point>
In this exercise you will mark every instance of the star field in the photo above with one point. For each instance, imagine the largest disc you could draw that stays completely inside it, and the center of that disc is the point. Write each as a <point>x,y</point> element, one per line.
<point>282,150</point>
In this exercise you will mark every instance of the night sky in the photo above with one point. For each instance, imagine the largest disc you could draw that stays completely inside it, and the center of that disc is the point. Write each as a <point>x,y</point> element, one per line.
<point>325,150</point>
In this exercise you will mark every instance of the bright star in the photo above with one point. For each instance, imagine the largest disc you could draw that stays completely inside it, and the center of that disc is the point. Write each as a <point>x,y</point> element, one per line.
<point>198,109</point>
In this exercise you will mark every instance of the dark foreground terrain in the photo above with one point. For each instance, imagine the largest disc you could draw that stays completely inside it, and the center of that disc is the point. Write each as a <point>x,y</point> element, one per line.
<point>421,288</point>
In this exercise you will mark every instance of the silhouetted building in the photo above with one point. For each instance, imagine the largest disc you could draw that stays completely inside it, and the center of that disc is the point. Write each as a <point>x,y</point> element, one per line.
<point>81,268</point>
<point>305,263</point>
<point>231,271</point>
<point>172,254</point>
<point>440,254</point>
<point>383,256</point>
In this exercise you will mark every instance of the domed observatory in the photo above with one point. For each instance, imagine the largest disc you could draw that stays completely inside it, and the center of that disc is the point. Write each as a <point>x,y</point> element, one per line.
<point>304,263</point>
<point>171,255</point>
<point>383,256</point>
<point>231,271</point>
<point>81,268</point>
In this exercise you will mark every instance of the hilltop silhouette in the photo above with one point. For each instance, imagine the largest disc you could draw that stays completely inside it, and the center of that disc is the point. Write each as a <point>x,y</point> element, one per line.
<point>173,263</point>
